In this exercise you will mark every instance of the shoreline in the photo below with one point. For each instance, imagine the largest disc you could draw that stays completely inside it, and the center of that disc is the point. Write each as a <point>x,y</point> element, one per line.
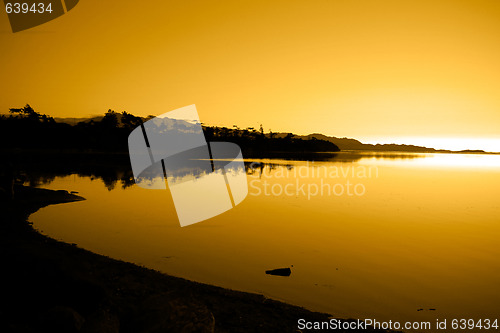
<point>52,286</point>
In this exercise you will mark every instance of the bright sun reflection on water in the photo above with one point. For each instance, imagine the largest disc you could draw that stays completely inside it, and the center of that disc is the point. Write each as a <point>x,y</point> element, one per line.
<point>444,160</point>
<point>462,160</point>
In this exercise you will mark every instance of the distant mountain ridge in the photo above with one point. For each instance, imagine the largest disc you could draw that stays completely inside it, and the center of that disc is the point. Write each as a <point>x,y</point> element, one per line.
<point>74,121</point>
<point>342,143</point>
<point>353,144</point>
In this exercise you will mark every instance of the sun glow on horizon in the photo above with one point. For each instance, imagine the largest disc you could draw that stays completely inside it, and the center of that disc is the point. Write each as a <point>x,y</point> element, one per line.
<point>370,69</point>
<point>491,145</point>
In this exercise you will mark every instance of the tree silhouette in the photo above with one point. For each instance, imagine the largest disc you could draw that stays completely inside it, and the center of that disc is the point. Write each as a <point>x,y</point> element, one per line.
<point>110,119</point>
<point>34,130</point>
<point>29,113</point>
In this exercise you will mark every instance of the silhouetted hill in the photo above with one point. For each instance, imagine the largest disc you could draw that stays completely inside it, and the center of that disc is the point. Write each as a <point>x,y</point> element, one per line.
<point>27,129</point>
<point>74,121</point>
<point>353,144</point>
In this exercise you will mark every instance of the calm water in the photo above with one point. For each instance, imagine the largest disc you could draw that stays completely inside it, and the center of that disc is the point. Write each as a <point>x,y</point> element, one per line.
<point>387,236</point>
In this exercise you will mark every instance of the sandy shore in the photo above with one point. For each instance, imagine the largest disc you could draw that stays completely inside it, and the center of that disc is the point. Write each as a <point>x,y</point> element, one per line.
<point>50,286</point>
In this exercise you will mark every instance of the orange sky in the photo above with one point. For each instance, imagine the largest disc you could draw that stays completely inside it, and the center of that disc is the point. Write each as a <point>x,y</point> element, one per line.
<point>374,70</point>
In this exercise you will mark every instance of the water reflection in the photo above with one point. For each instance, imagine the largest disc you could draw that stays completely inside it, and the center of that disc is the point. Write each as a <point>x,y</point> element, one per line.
<point>417,238</point>
<point>115,171</point>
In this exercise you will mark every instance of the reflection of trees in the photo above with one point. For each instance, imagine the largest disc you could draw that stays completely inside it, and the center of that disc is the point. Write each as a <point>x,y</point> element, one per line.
<point>110,178</point>
<point>106,170</point>
<point>257,167</point>
<point>38,168</point>
<point>98,148</point>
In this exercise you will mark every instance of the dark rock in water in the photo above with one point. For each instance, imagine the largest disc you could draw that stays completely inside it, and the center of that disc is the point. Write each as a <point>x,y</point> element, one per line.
<point>74,192</point>
<point>280,271</point>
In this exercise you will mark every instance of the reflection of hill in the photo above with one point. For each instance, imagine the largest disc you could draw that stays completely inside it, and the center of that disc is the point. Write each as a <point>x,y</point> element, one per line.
<point>37,168</point>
